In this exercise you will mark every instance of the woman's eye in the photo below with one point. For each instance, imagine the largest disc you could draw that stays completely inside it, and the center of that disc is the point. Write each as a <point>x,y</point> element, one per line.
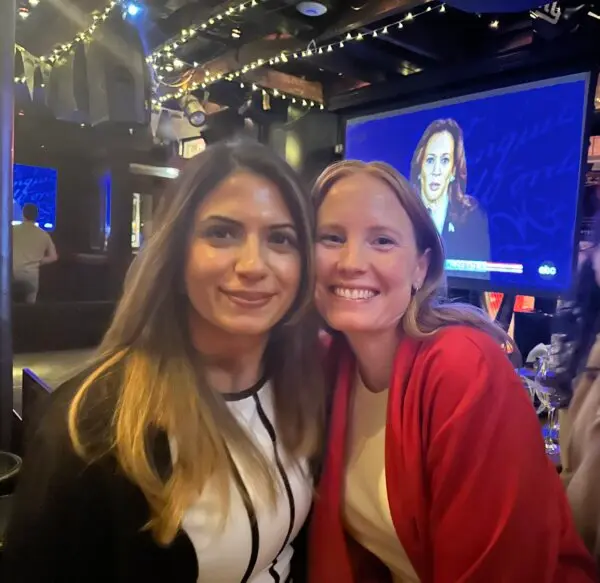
<point>218,233</point>
<point>330,239</point>
<point>429,160</point>
<point>280,238</point>
<point>446,160</point>
<point>384,241</point>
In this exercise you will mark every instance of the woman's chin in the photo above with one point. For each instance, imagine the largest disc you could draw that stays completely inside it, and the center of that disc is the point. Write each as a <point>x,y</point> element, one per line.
<point>350,324</point>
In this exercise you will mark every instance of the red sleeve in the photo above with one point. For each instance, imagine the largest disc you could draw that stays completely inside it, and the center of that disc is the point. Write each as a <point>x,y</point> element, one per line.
<point>498,509</point>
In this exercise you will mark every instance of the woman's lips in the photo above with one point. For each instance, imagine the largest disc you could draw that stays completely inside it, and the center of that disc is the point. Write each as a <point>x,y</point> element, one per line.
<point>434,186</point>
<point>248,298</point>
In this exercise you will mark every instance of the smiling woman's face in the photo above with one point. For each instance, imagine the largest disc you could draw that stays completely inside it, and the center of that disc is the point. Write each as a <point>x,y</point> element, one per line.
<point>243,266</point>
<point>367,257</point>
<point>437,168</point>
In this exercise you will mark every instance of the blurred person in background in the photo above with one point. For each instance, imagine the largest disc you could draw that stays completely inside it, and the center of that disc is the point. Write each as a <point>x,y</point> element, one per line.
<point>32,248</point>
<point>576,355</point>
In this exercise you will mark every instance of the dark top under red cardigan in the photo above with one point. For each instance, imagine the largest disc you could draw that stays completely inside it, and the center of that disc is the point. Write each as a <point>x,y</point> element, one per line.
<point>473,497</point>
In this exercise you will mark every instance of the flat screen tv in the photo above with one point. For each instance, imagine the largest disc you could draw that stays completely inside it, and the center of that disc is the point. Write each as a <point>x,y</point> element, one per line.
<point>37,185</point>
<point>500,173</point>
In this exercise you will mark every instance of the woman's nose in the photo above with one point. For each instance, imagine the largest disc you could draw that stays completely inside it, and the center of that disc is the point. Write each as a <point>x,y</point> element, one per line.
<point>251,262</point>
<point>352,258</point>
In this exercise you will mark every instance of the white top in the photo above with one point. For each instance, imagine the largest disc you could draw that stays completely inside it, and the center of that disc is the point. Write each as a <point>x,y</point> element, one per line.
<point>30,245</point>
<point>253,545</point>
<point>366,510</point>
<point>439,212</point>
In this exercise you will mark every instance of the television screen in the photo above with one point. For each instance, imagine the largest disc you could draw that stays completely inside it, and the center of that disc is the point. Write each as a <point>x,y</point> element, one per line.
<point>36,185</point>
<point>500,174</point>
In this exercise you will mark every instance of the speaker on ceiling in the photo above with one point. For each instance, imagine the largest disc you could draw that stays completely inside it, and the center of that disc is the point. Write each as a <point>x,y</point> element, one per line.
<point>118,78</point>
<point>67,91</point>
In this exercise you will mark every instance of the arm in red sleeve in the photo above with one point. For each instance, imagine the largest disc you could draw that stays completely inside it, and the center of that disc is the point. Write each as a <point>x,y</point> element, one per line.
<point>498,510</point>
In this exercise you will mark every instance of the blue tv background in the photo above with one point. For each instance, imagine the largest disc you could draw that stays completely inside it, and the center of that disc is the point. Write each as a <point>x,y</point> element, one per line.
<point>523,150</point>
<point>37,185</point>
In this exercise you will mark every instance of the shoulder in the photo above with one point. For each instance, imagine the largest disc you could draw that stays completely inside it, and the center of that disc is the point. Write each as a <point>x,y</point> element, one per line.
<point>459,344</point>
<point>469,209</point>
<point>51,428</point>
<point>464,361</point>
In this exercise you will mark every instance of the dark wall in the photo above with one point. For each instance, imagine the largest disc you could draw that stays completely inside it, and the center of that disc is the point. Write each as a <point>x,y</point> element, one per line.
<point>307,140</point>
<point>77,195</point>
<point>50,144</point>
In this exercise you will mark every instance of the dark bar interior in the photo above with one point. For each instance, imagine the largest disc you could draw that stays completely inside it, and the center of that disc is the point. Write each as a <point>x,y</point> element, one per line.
<point>100,113</point>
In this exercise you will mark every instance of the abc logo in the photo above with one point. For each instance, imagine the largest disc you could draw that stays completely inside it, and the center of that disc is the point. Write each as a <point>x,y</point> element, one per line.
<point>547,270</point>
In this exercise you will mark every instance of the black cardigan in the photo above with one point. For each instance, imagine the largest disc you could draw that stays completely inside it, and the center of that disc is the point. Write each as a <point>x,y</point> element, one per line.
<point>77,522</point>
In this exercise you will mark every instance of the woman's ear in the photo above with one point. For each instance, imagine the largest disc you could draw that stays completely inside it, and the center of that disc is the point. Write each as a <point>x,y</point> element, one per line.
<point>422,268</point>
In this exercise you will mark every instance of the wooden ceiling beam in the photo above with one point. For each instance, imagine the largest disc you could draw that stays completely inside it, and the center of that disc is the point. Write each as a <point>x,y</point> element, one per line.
<point>269,48</point>
<point>288,84</point>
<point>343,64</point>
<point>421,49</point>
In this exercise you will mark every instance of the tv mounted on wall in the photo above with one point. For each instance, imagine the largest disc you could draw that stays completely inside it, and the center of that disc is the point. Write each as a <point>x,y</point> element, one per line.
<point>501,174</point>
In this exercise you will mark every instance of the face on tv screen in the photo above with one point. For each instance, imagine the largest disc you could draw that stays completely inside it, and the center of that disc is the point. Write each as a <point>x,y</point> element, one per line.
<point>500,175</point>
<point>36,185</point>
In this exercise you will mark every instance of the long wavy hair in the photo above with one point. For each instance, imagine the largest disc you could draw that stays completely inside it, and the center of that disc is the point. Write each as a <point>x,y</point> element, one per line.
<point>429,310</point>
<point>460,203</point>
<point>148,354</point>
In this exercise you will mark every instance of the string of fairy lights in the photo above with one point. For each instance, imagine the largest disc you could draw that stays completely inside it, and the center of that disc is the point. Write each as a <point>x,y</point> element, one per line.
<point>285,56</point>
<point>165,63</point>
<point>167,49</point>
<point>84,36</point>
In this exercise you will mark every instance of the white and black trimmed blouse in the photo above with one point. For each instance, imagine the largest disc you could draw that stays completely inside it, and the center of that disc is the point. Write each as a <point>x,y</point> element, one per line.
<point>74,522</point>
<point>254,544</point>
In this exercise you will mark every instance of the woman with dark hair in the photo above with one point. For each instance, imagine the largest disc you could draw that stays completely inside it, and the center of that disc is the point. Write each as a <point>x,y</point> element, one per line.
<point>576,360</point>
<point>439,173</point>
<point>183,453</point>
<point>577,321</point>
<point>435,470</point>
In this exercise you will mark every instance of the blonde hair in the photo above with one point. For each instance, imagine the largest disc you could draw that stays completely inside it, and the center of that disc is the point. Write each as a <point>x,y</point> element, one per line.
<point>148,354</point>
<point>428,310</point>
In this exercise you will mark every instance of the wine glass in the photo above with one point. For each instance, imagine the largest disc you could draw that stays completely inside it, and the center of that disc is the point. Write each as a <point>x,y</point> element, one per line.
<point>549,397</point>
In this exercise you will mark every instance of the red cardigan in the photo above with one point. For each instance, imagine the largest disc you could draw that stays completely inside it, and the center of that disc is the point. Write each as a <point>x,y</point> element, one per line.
<point>473,497</point>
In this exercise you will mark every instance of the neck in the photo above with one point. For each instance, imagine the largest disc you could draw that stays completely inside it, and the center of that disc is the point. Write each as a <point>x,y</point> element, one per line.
<point>231,363</point>
<point>375,353</point>
<point>436,202</point>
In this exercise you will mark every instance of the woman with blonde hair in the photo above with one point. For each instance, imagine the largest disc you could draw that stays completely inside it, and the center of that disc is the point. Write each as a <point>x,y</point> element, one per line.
<point>183,453</point>
<point>435,470</point>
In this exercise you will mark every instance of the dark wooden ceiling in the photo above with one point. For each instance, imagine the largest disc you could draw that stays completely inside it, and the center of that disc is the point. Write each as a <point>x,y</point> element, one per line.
<point>436,40</point>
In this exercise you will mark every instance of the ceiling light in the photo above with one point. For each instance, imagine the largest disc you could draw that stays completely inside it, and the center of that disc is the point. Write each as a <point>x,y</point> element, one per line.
<point>133,9</point>
<point>236,33</point>
<point>311,8</point>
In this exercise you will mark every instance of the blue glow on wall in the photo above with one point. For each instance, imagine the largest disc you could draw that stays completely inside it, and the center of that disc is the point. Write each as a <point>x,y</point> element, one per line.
<point>36,185</point>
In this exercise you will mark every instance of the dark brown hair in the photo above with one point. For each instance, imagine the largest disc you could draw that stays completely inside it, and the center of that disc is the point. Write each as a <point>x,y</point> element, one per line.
<point>162,385</point>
